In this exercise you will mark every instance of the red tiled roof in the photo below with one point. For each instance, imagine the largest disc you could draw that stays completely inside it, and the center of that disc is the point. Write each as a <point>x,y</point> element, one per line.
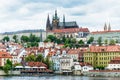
<point>51,53</point>
<point>5,55</point>
<point>73,51</point>
<point>102,32</point>
<point>71,30</point>
<point>36,64</point>
<point>116,60</point>
<point>112,48</point>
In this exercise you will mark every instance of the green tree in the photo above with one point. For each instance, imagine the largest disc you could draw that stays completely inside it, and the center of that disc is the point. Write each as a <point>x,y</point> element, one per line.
<point>91,39</point>
<point>30,58</point>
<point>9,62</point>
<point>68,41</point>
<point>8,66</point>
<point>40,58</point>
<point>47,40</point>
<point>63,39</point>
<point>6,38</point>
<point>32,38</point>
<point>106,41</point>
<point>116,41</point>
<point>58,41</point>
<point>48,62</point>
<point>37,39</point>
<point>81,42</point>
<point>24,38</point>
<point>32,44</point>
<point>73,40</point>
<point>15,38</point>
<point>52,38</point>
<point>99,41</point>
<point>112,42</point>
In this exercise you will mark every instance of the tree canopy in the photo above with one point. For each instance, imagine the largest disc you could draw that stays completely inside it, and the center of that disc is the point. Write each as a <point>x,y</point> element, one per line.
<point>15,37</point>
<point>99,41</point>
<point>8,66</point>
<point>6,38</point>
<point>112,42</point>
<point>91,39</point>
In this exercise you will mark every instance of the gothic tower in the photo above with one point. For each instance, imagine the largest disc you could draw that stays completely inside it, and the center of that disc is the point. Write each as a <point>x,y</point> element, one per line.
<point>55,21</point>
<point>63,21</point>
<point>109,27</point>
<point>48,26</point>
<point>105,27</point>
<point>41,40</point>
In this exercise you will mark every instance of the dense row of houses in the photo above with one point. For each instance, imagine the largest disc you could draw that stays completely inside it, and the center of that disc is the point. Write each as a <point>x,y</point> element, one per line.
<point>65,60</point>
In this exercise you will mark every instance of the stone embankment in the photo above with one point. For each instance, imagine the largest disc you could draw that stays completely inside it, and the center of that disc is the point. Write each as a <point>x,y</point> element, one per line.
<point>103,73</point>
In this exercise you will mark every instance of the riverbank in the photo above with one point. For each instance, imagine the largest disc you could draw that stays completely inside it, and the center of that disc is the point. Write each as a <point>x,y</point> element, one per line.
<point>57,77</point>
<point>17,73</point>
<point>103,73</point>
<point>92,73</point>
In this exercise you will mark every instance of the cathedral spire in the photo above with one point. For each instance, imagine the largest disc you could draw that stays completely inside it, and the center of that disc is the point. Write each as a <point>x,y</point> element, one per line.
<point>55,14</point>
<point>63,21</point>
<point>41,36</point>
<point>109,27</point>
<point>63,18</point>
<point>105,27</point>
<point>48,24</point>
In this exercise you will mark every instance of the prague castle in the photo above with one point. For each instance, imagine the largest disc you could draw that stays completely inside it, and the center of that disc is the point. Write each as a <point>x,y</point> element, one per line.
<point>56,24</point>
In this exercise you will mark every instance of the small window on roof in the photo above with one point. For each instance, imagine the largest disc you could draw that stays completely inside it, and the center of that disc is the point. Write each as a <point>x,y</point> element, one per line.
<point>102,49</point>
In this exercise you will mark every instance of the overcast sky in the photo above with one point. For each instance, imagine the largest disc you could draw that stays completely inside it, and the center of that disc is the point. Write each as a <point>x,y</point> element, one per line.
<point>32,14</point>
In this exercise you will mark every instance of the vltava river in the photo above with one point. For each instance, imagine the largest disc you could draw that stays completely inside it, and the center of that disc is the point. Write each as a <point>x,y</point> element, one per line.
<point>56,78</point>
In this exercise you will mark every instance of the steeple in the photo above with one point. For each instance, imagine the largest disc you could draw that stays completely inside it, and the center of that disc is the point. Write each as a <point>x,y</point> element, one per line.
<point>63,18</point>
<point>48,27</point>
<point>41,36</point>
<point>105,27</point>
<point>55,14</point>
<point>55,21</point>
<point>109,27</point>
<point>63,21</point>
<point>55,17</point>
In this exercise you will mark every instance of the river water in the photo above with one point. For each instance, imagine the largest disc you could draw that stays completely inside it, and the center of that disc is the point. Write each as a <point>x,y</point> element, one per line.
<point>56,78</point>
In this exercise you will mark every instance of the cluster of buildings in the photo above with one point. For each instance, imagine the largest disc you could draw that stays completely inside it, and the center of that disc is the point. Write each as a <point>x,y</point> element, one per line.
<point>65,60</point>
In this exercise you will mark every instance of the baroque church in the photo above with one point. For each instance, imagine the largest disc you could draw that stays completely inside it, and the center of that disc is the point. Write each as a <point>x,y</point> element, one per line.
<point>56,24</point>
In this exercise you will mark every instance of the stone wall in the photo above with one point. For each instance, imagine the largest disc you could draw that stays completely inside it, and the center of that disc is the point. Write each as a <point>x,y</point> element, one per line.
<point>10,73</point>
<point>104,74</point>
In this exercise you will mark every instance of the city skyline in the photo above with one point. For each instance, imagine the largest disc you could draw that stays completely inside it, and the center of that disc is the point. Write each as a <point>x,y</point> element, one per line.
<point>25,14</point>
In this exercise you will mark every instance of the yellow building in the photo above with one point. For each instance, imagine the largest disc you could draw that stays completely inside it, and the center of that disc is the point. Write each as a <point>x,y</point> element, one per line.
<point>101,55</point>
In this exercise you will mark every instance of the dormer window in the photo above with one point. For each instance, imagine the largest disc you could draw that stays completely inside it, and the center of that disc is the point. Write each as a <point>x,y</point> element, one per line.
<point>102,49</point>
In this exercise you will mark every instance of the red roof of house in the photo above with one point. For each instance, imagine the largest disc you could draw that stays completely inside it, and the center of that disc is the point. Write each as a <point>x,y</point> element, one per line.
<point>51,53</point>
<point>73,51</point>
<point>5,55</point>
<point>71,30</point>
<point>36,64</point>
<point>116,60</point>
<point>102,32</point>
<point>112,48</point>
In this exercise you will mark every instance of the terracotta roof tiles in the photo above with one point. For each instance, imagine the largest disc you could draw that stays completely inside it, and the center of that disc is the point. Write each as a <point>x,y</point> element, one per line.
<point>71,30</point>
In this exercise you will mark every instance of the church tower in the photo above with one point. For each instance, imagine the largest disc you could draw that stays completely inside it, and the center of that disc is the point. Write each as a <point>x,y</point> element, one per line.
<point>55,21</point>
<point>109,27</point>
<point>105,27</point>
<point>63,21</point>
<point>48,26</point>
